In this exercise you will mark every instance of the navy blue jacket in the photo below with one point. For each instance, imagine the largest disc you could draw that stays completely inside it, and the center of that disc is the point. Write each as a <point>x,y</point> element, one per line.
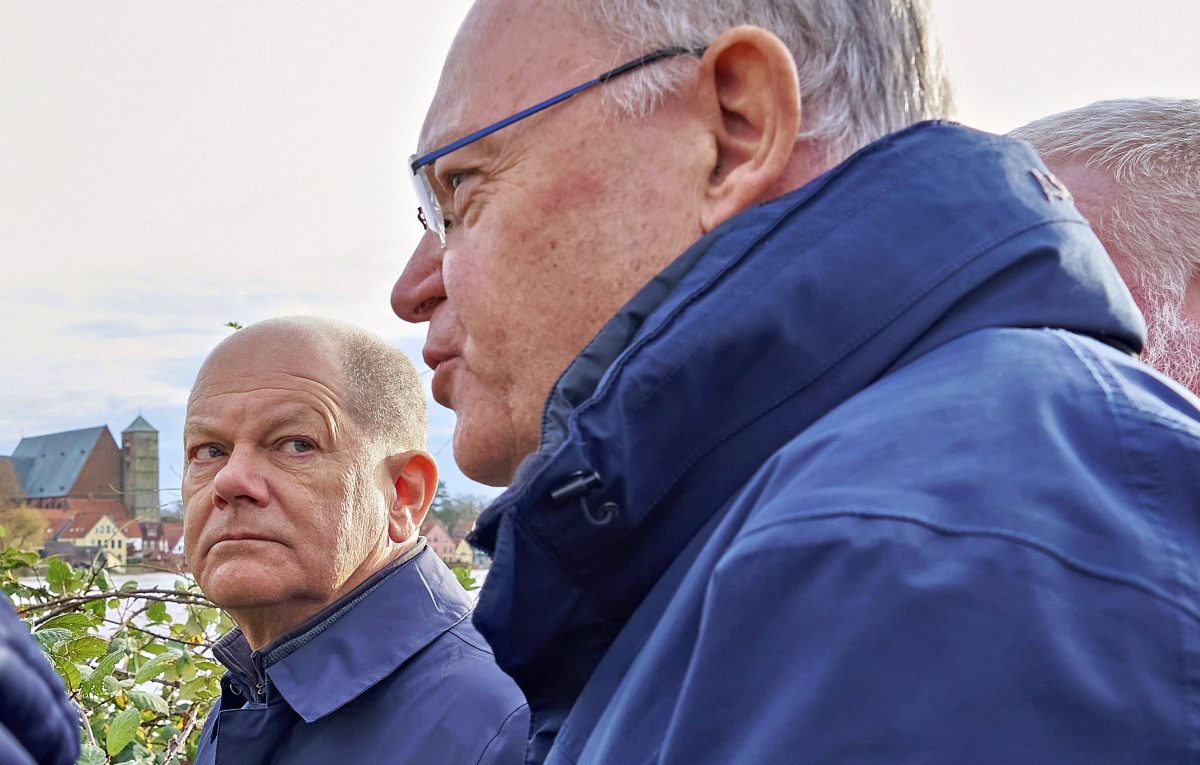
<point>38,725</point>
<point>394,672</point>
<point>870,474</point>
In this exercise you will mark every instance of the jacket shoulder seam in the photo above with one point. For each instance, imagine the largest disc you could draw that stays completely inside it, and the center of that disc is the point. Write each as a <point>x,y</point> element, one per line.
<point>481,648</point>
<point>499,730</point>
<point>1001,535</point>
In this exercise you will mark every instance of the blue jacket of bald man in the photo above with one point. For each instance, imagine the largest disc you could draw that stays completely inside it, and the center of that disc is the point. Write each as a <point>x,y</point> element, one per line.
<point>869,475</point>
<point>392,672</point>
<point>38,725</point>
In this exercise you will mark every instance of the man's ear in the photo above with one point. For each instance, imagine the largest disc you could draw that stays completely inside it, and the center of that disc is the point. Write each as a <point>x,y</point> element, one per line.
<point>747,84</point>
<point>415,476</point>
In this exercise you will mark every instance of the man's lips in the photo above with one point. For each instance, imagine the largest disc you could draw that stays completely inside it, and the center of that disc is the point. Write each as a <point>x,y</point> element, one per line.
<point>440,384</point>
<point>241,537</point>
<point>435,357</point>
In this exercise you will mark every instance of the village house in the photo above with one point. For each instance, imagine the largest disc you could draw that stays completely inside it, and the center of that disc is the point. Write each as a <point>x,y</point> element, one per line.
<point>463,554</point>
<point>86,535</point>
<point>439,540</point>
<point>94,497</point>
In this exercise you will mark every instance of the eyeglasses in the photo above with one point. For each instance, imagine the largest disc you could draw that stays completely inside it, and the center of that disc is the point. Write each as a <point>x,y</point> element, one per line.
<point>430,210</point>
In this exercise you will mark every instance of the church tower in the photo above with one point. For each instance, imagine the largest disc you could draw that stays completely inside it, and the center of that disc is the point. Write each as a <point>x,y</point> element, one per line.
<point>139,470</point>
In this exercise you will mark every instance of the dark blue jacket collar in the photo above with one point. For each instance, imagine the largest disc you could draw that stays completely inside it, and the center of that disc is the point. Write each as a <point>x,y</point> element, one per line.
<point>766,324</point>
<point>357,641</point>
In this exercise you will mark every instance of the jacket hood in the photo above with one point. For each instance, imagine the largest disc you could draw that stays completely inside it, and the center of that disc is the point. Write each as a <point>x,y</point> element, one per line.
<point>764,325</point>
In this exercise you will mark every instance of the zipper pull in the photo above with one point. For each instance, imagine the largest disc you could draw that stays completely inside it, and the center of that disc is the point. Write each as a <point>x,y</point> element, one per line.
<point>579,484</point>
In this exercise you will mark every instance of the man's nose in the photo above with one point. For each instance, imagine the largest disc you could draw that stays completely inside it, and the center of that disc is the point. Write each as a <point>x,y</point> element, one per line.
<point>420,288</point>
<point>240,481</point>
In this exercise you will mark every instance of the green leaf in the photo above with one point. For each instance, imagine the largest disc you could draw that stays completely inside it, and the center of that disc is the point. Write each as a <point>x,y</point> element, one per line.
<point>3,531</point>
<point>111,686</point>
<point>91,755</point>
<point>67,671</point>
<point>75,622</point>
<point>102,672</point>
<point>121,731</point>
<point>200,689</point>
<point>149,702</point>
<point>464,578</point>
<point>53,637</point>
<point>95,607</point>
<point>90,647</point>
<point>129,586</point>
<point>14,558</point>
<point>154,667</point>
<point>58,575</point>
<point>157,612</point>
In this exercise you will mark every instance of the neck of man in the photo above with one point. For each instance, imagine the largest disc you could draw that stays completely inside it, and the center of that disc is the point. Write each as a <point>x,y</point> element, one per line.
<point>262,626</point>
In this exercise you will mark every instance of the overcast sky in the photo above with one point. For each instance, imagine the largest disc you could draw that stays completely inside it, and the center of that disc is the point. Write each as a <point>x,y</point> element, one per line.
<point>166,167</point>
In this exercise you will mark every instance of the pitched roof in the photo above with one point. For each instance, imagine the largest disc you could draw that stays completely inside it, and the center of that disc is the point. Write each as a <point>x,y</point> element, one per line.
<point>110,507</point>
<point>139,426</point>
<point>433,524</point>
<point>51,463</point>
<point>173,532</point>
<point>81,525</point>
<point>54,519</point>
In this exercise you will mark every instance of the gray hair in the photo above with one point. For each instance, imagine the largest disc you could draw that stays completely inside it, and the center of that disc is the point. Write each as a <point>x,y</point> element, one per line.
<point>383,390</point>
<point>1150,147</point>
<point>867,67</point>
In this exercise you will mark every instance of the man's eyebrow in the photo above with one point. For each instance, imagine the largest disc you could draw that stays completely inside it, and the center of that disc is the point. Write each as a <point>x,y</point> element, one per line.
<point>291,417</point>
<point>198,429</point>
<point>294,417</point>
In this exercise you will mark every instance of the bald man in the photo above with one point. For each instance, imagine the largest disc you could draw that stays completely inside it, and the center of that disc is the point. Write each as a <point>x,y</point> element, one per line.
<point>305,483</point>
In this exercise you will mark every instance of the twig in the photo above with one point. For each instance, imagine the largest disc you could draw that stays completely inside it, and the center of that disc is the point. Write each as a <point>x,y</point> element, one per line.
<point>87,722</point>
<point>180,741</point>
<point>62,605</point>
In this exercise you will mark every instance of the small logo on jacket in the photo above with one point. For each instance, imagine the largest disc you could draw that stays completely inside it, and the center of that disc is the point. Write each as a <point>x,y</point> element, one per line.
<point>1052,187</point>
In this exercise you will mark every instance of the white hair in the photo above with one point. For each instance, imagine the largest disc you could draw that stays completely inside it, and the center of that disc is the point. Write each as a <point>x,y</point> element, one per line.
<point>1150,147</point>
<point>867,67</point>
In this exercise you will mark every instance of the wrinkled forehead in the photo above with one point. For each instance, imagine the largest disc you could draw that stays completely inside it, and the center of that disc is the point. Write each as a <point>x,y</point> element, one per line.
<point>271,359</point>
<point>507,55</point>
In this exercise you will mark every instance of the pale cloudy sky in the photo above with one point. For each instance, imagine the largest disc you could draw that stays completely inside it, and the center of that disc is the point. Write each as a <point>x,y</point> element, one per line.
<point>166,167</point>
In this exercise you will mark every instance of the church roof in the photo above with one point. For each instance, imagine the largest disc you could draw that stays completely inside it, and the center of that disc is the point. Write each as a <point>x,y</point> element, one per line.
<point>139,426</point>
<point>49,465</point>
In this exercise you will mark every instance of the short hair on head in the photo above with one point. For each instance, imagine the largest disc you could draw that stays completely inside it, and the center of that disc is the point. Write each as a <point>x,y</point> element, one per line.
<point>1151,148</point>
<point>866,67</point>
<point>383,390</point>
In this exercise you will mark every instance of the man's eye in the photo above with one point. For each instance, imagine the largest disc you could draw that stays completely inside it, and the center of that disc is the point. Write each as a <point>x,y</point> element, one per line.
<point>296,446</point>
<point>208,452</point>
<point>454,180</point>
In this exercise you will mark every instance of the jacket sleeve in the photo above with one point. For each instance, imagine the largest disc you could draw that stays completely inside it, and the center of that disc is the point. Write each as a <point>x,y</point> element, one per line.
<point>864,639</point>
<point>37,722</point>
<point>507,747</point>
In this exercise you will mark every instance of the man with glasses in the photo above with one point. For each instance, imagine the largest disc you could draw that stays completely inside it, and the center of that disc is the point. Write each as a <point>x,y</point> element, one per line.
<point>825,437</point>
